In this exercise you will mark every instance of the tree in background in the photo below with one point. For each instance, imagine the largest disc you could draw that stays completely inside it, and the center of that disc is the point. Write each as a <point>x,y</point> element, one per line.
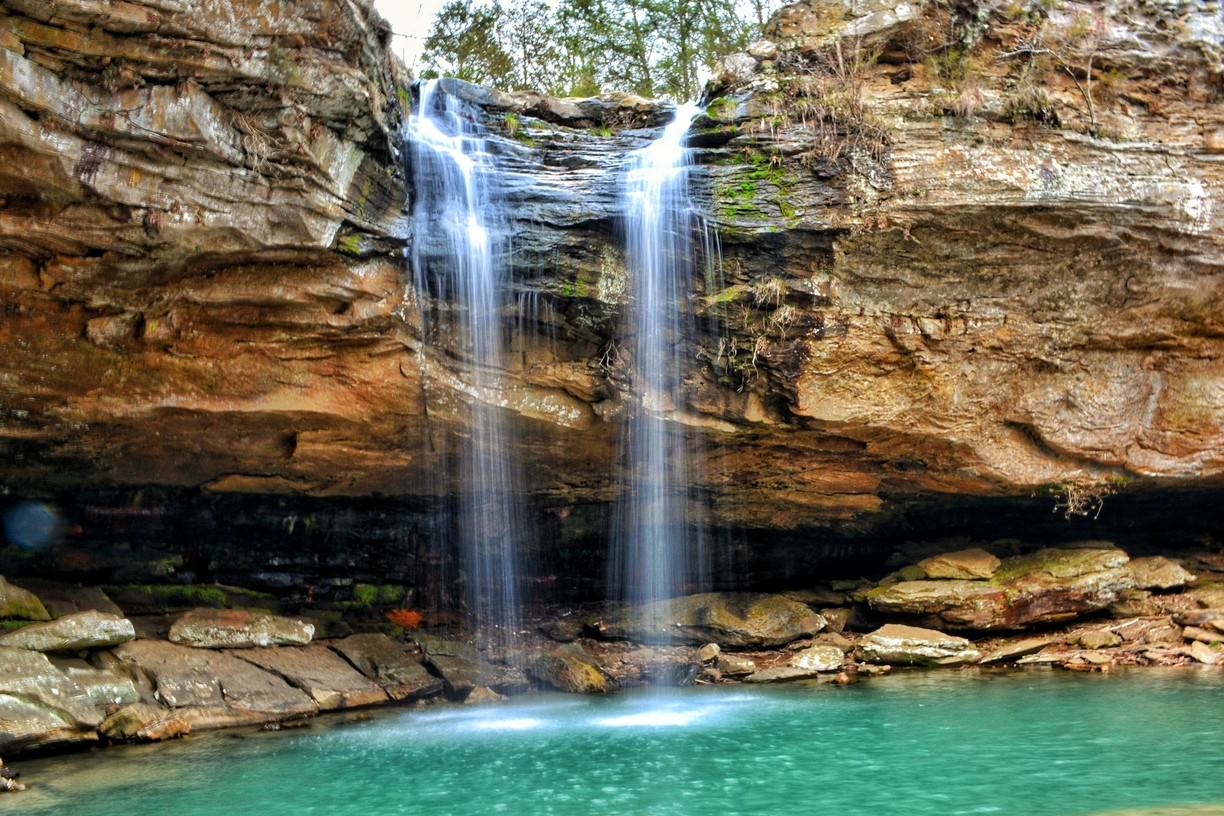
<point>465,42</point>
<point>583,47</point>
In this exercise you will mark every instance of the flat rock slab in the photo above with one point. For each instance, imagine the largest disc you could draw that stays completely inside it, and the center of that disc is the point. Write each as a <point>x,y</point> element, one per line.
<point>102,687</point>
<point>17,602</point>
<point>461,668</point>
<point>1011,652</point>
<point>913,646</point>
<point>26,726</point>
<point>72,633</point>
<point>968,564</point>
<point>1049,586</point>
<point>319,672</point>
<point>239,629</point>
<point>32,676</point>
<point>729,619</point>
<point>781,674</point>
<point>205,679</point>
<point>402,675</point>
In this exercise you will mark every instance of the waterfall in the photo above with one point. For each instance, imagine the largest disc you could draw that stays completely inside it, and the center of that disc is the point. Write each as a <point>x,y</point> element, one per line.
<point>656,551</point>
<point>460,234</point>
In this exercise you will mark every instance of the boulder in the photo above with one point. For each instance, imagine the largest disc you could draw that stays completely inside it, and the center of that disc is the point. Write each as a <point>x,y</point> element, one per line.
<point>1206,654</point>
<point>729,619</point>
<point>1048,586</point>
<point>733,665</point>
<point>72,633</point>
<point>16,602</point>
<point>40,706</point>
<point>1159,573</point>
<point>910,645</point>
<point>818,658</point>
<point>571,668</point>
<point>214,688</point>
<point>969,564</point>
<point>402,675</point>
<point>708,652</point>
<point>238,629</point>
<point>318,671</point>
<point>145,723</point>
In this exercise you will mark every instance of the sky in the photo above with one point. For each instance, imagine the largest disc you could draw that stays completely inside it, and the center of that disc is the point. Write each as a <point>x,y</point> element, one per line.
<point>411,21</point>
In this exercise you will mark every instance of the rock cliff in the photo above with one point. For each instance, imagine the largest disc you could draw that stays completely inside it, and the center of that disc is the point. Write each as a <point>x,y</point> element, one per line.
<point>956,249</point>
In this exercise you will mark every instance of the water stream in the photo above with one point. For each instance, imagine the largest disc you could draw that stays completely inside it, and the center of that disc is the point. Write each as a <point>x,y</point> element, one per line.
<point>655,554</point>
<point>460,233</point>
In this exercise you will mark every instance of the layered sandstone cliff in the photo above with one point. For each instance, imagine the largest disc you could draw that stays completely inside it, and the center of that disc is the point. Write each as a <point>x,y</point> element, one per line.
<point>966,249</point>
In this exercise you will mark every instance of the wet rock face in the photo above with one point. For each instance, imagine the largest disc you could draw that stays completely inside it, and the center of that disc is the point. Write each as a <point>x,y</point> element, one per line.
<point>730,619</point>
<point>977,281</point>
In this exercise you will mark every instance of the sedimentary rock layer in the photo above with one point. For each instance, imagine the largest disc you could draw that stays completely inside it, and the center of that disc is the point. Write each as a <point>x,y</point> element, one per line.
<point>972,253</point>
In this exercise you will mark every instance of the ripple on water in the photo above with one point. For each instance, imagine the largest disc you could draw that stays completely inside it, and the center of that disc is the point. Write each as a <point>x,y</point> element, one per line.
<point>1049,744</point>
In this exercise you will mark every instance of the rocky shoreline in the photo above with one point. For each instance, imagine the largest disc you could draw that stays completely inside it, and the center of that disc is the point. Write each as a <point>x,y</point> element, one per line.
<point>72,676</point>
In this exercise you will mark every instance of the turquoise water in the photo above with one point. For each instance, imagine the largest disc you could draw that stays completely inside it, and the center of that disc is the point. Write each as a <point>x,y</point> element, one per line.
<point>921,743</point>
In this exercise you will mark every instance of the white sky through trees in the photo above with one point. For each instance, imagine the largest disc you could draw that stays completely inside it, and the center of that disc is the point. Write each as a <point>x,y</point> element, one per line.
<point>411,20</point>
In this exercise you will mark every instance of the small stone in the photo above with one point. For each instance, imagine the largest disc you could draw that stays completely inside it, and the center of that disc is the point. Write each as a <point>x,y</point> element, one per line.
<point>71,633</point>
<point>732,665</point>
<point>835,640</point>
<point>962,564</point>
<point>836,618</point>
<point>1099,639</point>
<point>481,695</point>
<point>818,659</point>
<point>708,653</point>
<point>913,572</point>
<point>1158,572</point>
<point>238,629</point>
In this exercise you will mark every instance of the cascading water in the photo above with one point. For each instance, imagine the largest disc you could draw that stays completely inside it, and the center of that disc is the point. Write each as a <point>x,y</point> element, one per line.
<point>656,552</point>
<point>460,230</point>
